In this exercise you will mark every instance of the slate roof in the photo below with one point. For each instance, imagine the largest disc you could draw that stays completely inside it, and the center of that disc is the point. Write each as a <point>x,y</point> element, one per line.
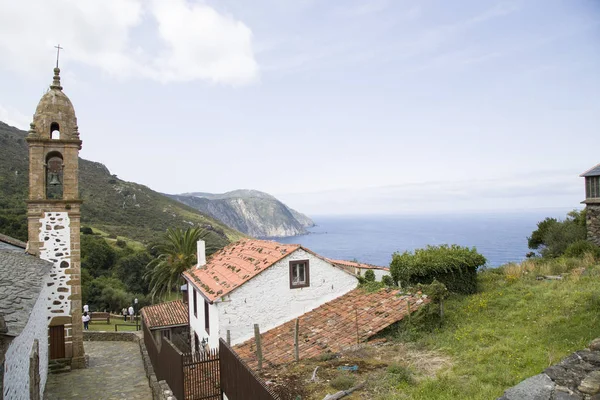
<point>594,171</point>
<point>332,326</point>
<point>22,277</point>
<point>236,264</point>
<point>354,264</point>
<point>172,313</point>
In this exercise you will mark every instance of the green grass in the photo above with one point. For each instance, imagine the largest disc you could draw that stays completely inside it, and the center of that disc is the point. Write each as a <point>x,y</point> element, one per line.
<point>513,329</point>
<point>99,326</point>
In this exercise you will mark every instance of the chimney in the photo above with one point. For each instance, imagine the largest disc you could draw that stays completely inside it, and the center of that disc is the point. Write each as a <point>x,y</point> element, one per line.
<point>201,254</point>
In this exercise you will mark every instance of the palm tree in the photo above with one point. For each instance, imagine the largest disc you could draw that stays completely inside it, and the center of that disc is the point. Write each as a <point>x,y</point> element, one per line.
<point>176,255</point>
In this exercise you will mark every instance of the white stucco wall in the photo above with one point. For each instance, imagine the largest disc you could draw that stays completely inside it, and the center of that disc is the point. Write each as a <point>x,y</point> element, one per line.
<point>16,364</point>
<point>55,233</point>
<point>197,323</point>
<point>379,273</point>
<point>268,301</point>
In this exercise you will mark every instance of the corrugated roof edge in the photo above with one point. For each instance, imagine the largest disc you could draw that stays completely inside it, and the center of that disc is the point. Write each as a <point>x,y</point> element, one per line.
<point>13,241</point>
<point>591,172</point>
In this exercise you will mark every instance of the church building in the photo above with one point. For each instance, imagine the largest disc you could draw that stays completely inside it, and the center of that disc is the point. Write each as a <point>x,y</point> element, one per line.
<point>53,212</point>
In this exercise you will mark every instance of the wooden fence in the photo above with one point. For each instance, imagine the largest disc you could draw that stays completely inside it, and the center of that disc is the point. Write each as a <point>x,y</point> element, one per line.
<point>238,381</point>
<point>205,375</point>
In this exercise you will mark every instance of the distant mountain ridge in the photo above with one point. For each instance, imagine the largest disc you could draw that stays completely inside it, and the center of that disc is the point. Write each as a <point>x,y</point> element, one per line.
<point>252,212</point>
<point>110,204</point>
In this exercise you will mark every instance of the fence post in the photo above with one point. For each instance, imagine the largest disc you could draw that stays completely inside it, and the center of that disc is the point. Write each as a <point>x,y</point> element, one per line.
<point>228,337</point>
<point>258,346</point>
<point>296,334</point>
<point>356,316</point>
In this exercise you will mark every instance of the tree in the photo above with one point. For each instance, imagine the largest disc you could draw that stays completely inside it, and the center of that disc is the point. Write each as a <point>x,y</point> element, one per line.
<point>553,237</point>
<point>369,275</point>
<point>175,256</point>
<point>96,255</point>
<point>130,269</point>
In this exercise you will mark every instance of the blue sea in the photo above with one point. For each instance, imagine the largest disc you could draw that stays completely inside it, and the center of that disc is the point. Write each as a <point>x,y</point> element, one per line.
<point>500,237</point>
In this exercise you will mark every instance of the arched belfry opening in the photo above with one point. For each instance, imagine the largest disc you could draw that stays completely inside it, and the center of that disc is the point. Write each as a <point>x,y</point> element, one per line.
<point>54,130</point>
<point>54,175</point>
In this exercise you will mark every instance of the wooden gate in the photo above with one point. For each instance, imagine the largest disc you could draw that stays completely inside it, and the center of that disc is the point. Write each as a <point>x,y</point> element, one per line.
<point>57,342</point>
<point>201,375</point>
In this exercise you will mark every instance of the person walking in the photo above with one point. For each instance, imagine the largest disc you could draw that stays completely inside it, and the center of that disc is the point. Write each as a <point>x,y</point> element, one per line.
<point>86,308</point>
<point>86,320</point>
<point>124,312</point>
<point>131,313</point>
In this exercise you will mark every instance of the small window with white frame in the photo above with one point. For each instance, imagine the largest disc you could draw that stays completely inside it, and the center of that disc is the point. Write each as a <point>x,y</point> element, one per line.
<point>299,274</point>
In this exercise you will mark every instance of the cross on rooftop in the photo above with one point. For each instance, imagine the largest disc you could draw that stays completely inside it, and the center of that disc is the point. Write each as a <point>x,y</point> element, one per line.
<point>58,49</point>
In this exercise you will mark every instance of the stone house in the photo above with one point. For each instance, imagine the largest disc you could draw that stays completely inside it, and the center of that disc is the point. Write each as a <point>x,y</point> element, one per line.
<point>168,320</point>
<point>25,286</point>
<point>592,203</point>
<point>358,268</point>
<point>257,282</point>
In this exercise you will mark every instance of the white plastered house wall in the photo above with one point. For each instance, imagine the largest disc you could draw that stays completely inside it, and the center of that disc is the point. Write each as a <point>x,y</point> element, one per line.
<point>379,273</point>
<point>268,300</point>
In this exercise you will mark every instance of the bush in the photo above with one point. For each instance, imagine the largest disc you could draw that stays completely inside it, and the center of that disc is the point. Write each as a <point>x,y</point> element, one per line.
<point>454,266</point>
<point>387,280</point>
<point>369,275</point>
<point>553,237</point>
<point>342,382</point>
<point>400,374</point>
<point>580,248</point>
<point>121,243</point>
<point>86,230</point>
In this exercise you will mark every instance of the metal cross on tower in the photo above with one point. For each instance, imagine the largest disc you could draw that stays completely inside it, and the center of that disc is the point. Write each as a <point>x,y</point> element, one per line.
<point>58,49</point>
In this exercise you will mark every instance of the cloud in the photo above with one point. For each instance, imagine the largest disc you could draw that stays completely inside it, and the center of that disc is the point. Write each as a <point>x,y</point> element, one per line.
<point>13,117</point>
<point>163,40</point>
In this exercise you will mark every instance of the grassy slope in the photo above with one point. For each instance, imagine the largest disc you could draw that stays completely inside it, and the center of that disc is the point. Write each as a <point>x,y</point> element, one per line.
<point>110,204</point>
<point>514,328</point>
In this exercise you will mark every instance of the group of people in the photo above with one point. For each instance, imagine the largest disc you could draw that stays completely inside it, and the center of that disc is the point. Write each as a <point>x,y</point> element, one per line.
<point>85,318</point>
<point>129,310</point>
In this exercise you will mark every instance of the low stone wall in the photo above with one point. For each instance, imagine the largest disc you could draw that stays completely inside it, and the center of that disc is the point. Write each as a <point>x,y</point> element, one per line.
<point>577,377</point>
<point>160,389</point>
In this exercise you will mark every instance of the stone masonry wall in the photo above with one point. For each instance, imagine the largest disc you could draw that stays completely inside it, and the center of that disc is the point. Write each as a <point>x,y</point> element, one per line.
<point>593,223</point>
<point>577,377</point>
<point>16,366</point>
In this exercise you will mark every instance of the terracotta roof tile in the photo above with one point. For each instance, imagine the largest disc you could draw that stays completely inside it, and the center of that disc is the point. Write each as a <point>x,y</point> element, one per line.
<point>235,264</point>
<point>354,264</point>
<point>332,326</point>
<point>165,314</point>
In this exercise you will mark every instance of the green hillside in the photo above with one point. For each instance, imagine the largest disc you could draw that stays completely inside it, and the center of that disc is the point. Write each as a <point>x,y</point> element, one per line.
<point>110,204</point>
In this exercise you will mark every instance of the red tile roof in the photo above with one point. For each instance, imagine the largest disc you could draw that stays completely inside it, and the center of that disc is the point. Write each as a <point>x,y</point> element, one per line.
<point>236,264</point>
<point>161,315</point>
<point>354,264</point>
<point>332,326</point>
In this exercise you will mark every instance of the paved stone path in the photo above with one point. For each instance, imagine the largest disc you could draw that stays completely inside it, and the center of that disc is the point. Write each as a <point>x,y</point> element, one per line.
<point>115,371</point>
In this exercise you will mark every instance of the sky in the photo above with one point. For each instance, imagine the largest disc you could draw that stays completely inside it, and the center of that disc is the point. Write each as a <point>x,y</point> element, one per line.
<point>335,107</point>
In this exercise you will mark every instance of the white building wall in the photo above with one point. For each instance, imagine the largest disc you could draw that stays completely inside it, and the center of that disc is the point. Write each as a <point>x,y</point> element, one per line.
<point>197,323</point>
<point>379,273</point>
<point>16,364</point>
<point>55,233</point>
<point>268,301</point>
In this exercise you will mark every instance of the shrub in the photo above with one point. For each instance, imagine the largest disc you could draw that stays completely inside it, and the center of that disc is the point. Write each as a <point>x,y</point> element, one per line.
<point>121,243</point>
<point>387,280</point>
<point>86,230</point>
<point>581,247</point>
<point>400,374</point>
<point>454,266</point>
<point>370,275</point>
<point>553,237</point>
<point>342,382</point>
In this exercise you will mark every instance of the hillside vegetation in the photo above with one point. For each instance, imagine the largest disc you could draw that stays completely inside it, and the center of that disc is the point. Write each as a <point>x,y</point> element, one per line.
<point>110,204</point>
<point>249,211</point>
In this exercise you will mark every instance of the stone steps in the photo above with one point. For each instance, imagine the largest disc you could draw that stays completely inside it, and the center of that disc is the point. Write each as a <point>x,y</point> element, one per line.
<point>59,366</point>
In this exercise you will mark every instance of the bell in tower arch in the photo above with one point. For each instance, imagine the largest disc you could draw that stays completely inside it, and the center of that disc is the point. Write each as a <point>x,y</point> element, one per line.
<point>54,175</point>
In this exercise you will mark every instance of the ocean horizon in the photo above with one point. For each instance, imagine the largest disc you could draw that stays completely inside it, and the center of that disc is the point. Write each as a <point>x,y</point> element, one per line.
<point>500,236</point>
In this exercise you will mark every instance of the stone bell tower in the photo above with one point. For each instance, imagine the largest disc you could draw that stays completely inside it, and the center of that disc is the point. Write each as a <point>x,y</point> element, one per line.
<point>53,212</point>
<point>592,203</point>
